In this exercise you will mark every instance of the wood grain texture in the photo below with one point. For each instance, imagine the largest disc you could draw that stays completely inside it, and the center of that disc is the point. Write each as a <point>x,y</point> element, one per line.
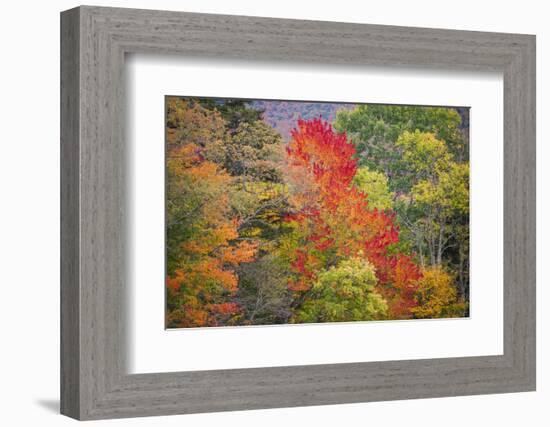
<point>94,381</point>
<point>70,314</point>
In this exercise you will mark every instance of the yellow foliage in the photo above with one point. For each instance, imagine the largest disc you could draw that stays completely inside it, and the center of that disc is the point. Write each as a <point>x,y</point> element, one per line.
<point>204,274</point>
<point>436,295</point>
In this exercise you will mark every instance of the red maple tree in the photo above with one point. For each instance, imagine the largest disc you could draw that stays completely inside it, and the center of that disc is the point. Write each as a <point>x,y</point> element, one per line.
<point>335,218</point>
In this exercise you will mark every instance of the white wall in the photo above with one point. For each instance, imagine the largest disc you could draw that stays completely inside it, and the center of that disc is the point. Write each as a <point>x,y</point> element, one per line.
<point>29,225</point>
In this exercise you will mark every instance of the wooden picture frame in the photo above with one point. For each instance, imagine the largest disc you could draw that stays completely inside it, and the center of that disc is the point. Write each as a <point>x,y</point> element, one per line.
<point>94,382</point>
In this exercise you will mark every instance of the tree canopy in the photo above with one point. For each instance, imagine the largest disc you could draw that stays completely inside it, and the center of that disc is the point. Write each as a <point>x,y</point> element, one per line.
<point>362,218</point>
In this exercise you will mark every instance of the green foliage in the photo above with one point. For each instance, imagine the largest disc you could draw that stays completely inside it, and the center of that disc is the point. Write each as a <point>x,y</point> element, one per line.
<point>266,226</point>
<point>424,156</point>
<point>447,193</point>
<point>374,129</point>
<point>375,185</point>
<point>254,150</point>
<point>254,155</point>
<point>423,151</point>
<point>438,210</point>
<point>344,293</point>
<point>233,111</point>
<point>263,293</point>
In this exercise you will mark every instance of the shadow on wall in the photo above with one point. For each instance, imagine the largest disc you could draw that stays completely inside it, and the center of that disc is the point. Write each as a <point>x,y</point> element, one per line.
<point>52,405</point>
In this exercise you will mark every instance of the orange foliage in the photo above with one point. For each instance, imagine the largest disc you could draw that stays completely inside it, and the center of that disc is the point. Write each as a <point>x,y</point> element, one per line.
<point>336,219</point>
<point>205,277</point>
<point>398,279</point>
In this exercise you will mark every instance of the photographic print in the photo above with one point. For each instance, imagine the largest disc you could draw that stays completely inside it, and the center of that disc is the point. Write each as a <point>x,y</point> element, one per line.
<point>292,212</point>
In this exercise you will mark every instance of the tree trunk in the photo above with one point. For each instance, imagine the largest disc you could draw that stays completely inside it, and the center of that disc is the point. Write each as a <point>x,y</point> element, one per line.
<point>440,243</point>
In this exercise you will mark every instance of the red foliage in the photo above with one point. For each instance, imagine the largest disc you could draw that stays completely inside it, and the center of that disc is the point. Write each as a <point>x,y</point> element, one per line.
<point>224,308</point>
<point>336,218</point>
<point>398,279</point>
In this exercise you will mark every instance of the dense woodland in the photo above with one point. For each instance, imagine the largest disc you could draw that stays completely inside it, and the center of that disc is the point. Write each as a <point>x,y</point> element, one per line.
<point>351,213</point>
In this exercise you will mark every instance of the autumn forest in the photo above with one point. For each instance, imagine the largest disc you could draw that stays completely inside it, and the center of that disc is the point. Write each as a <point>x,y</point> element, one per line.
<point>284,212</point>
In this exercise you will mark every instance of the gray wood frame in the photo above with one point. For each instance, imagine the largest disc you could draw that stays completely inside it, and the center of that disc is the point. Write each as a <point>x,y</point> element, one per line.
<point>94,41</point>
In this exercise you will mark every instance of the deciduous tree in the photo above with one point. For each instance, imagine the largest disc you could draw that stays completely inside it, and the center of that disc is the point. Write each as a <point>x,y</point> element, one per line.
<point>436,296</point>
<point>374,129</point>
<point>333,218</point>
<point>344,293</point>
<point>202,246</point>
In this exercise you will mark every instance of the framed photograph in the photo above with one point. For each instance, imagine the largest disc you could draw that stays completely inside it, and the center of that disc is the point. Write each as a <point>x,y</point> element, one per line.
<point>261,213</point>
